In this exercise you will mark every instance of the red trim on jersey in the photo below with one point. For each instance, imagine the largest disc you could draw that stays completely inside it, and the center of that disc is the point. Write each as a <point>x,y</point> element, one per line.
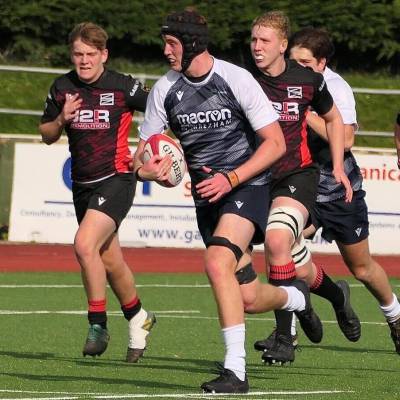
<point>305,153</point>
<point>122,150</point>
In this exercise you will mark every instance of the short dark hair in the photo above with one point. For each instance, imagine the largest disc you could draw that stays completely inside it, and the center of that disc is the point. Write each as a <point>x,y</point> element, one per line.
<point>317,40</point>
<point>90,34</point>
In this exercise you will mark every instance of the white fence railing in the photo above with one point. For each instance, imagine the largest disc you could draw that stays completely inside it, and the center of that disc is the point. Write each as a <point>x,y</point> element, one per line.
<point>144,77</point>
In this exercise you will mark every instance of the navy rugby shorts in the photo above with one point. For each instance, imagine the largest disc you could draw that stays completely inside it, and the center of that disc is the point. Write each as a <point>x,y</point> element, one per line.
<point>250,202</point>
<point>343,222</point>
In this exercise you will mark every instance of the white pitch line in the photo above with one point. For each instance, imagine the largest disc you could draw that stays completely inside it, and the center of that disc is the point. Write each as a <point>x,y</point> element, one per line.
<point>111,313</point>
<point>183,314</point>
<point>72,396</point>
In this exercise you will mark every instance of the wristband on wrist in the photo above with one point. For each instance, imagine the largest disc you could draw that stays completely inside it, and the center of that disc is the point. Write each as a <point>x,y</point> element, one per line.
<point>232,177</point>
<point>138,177</point>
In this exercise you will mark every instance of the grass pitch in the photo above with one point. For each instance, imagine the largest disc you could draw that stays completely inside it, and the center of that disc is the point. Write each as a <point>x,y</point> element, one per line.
<point>43,328</point>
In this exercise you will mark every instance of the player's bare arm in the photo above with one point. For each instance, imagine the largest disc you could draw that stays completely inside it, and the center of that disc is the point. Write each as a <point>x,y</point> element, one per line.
<point>335,134</point>
<point>51,131</point>
<point>271,149</point>
<point>317,124</point>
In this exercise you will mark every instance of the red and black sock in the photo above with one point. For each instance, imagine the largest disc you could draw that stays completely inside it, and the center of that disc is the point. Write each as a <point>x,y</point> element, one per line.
<point>283,275</point>
<point>97,313</point>
<point>132,308</point>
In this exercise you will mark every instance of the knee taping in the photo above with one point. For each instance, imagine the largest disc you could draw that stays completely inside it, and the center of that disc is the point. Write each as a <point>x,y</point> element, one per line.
<point>246,274</point>
<point>300,253</point>
<point>224,242</point>
<point>288,218</point>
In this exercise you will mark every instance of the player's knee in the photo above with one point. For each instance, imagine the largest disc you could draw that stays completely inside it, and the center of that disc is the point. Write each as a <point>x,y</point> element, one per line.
<point>362,271</point>
<point>285,224</point>
<point>277,242</point>
<point>219,265</point>
<point>82,247</point>
<point>215,270</point>
<point>286,218</point>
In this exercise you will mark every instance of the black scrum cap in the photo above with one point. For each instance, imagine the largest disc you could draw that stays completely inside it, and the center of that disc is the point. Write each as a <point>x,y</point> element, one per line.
<point>190,28</point>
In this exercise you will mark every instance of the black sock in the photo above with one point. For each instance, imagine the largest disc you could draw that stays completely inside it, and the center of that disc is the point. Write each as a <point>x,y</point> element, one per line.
<point>99,318</point>
<point>326,288</point>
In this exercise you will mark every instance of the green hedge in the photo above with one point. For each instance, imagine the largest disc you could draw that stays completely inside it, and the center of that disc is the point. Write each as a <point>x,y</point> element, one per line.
<point>365,31</point>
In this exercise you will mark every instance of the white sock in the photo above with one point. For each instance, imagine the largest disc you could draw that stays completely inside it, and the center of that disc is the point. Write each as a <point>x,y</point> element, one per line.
<point>392,311</point>
<point>295,301</point>
<point>235,356</point>
<point>293,327</point>
<point>137,335</point>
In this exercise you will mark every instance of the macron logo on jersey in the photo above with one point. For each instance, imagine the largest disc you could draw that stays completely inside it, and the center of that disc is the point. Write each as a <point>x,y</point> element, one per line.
<point>106,99</point>
<point>134,89</point>
<point>101,200</point>
<point>179,95</point>
<point>358,231</point>
<point>239,204</point>
<point>295,92</point>
<point>292,189</point>
<point>215,117</point>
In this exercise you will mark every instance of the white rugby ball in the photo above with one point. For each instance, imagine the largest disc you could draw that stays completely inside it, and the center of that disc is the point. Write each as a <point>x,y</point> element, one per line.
<point>163,145</point>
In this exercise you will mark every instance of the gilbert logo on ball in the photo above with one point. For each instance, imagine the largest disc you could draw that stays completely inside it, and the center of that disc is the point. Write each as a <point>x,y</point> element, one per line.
<point>163,145</point>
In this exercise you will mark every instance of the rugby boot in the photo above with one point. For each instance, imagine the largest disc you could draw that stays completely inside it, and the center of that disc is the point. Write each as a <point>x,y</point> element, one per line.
<point>226,382</point>
<point>281,352</point>
<point>267,343</point>
<point>139,329</point>
<point>96,341</point>
<point>309,320</point>
<point>347,319</point>
<point>395,334</point>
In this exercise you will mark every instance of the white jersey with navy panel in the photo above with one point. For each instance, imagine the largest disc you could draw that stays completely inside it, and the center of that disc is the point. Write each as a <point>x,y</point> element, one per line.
<point>215,120</point>
<point>329,189</point>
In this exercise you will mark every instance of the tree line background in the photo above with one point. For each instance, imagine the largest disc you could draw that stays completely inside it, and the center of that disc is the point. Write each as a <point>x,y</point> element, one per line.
<point>366,33</point>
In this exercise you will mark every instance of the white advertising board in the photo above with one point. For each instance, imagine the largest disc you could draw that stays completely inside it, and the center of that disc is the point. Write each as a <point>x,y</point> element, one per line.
<point>42,209</point>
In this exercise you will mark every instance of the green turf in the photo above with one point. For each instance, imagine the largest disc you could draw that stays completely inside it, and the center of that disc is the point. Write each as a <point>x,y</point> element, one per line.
<point>40,354</point>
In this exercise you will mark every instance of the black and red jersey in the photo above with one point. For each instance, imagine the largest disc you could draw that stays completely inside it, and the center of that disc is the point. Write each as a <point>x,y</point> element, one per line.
<point>292,93</point>
<point>98,136</point>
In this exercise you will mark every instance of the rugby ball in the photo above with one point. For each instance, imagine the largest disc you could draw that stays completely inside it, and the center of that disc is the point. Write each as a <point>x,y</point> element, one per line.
<point>163,145</point>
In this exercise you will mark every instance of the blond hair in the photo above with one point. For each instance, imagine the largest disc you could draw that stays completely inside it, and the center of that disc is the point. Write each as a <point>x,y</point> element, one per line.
<point>277,20</point>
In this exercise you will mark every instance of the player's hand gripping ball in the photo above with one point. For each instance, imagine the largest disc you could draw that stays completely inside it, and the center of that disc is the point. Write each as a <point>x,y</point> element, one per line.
<point>163,145</point>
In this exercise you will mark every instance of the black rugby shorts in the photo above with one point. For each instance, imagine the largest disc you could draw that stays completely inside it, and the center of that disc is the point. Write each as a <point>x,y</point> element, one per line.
<point>112,196</point>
